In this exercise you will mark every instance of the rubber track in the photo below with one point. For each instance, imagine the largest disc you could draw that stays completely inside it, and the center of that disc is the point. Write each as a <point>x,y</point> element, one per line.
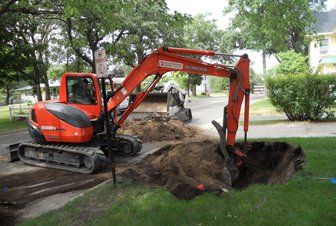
<point>91,152</point>
<point>136,144</point>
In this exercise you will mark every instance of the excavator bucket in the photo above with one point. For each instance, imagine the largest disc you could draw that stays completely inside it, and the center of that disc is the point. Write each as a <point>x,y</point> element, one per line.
<point>154,102</point>
<point>164,104</point>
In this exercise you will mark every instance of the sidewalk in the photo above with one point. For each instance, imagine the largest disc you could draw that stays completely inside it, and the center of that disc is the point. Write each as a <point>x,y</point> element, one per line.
<point>295,129</point>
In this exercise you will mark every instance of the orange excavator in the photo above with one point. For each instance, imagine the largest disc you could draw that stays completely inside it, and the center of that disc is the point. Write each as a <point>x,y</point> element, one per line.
<point>69,134</point>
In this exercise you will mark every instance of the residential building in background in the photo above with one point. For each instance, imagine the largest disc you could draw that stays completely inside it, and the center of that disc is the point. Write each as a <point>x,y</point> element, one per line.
<point>322,55</point>
<point>26,94</point>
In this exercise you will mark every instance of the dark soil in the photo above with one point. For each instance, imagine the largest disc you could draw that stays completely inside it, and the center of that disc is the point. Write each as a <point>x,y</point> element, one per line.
<point>188,169</point>
<point>269,163</point>
<point>19,189</point>
<point>160,129</point>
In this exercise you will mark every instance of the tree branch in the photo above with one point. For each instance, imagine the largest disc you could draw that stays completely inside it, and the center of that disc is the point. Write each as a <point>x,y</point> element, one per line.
<point>6,7</point>
<point>77,50</point>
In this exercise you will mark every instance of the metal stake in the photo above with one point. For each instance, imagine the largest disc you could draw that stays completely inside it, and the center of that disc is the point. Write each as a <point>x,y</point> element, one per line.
<point>109,134</point>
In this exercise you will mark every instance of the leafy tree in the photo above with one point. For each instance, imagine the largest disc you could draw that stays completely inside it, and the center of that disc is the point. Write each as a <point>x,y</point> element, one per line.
<point>7,86</point>
<point>256,79</point>
<point>291,63</point>
<point>88,24</point>
<point>273,26</point>
<point>218,84</point>
<point>146,26</point>
<point>188,81</point>
<point>202,33</point>
<point>24,38</point>
<point>29,7</point>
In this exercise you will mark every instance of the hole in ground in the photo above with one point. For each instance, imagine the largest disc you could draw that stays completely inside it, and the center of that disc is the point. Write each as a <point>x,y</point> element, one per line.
<point>191,168</point>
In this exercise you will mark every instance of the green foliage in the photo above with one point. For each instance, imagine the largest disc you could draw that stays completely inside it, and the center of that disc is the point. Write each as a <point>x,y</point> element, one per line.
<point>145,26</point>
<point>303,96</point>
<point>273,26</point>
<point>185,80</point>
<point>218,85</point>
<point>221,84</point>
<point>291,63</point>
<point>203,33</point>
<point>256,79</point>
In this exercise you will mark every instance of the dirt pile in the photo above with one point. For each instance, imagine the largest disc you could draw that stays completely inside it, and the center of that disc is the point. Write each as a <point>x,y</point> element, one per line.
<point>160,129</point>
<point>188,169</point>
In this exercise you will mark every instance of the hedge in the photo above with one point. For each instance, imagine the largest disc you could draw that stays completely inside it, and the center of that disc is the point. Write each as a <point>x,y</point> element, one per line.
<point>303,97</point>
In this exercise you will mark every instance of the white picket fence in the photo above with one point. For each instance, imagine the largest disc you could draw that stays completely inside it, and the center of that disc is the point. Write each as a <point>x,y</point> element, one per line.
<point>18,111</point>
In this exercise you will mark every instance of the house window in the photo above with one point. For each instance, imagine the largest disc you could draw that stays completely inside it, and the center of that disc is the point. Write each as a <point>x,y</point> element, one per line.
<point>324,46</point>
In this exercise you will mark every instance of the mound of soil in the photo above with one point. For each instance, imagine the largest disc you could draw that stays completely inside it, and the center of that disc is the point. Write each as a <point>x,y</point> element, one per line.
<point>190,168</point>
<point>161,129</point>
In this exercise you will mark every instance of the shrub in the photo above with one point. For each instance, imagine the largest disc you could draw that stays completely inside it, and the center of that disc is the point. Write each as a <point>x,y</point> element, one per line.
<point>291,63</point>
<point>303,97</point>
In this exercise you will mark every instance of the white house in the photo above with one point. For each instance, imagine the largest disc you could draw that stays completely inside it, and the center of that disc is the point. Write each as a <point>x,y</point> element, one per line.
<point>322,56</point>
<point>26,94</point>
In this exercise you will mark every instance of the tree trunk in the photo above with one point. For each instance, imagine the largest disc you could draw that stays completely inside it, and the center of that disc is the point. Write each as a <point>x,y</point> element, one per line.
<point>37,84</point>
<point>93,66</point>
<point>7,95</point>
<point>264,61</point>
<point>38,92</point>
<point>45,77</point>
<point>188,89</point>
<point>205,85</point>
<point>46,86</point>
<point>193,90</point>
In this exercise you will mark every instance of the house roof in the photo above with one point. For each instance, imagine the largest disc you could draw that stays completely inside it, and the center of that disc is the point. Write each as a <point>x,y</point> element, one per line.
<point>52,83</point>
<point>325,22</point>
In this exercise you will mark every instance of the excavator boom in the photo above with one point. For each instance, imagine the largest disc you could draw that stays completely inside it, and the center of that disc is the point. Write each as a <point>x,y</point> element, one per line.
<point>69,133</point>
<point>167,59</point>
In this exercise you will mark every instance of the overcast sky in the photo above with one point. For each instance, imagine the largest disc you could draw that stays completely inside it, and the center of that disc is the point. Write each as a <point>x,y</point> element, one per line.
<point>192,7</point>
<point>215,8</point>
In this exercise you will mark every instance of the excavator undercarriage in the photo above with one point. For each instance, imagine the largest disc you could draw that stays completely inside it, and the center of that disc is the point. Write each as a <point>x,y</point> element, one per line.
<point>83,158</point>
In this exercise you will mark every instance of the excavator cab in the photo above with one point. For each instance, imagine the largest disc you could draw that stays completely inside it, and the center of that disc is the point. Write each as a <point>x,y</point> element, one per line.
<point>83,92</point>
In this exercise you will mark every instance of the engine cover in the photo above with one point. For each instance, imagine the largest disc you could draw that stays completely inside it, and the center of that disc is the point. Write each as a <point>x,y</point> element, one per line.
<point>58,122</point>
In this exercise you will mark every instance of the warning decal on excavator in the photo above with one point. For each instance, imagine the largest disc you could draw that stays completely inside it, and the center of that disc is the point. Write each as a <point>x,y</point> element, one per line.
<point>124,91</point>
<point>170,64</point>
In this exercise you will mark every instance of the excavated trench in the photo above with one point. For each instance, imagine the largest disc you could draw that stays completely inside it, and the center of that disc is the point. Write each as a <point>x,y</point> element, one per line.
<point>189,169</point>
<point>187,165</point>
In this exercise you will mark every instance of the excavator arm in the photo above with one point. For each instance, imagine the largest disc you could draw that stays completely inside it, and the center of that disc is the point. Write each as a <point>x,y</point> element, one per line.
<point>167,59</point>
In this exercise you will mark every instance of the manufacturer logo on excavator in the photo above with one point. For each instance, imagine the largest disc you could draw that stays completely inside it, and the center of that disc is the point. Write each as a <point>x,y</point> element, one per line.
<point>48,128</point>
<point>196,68</point>
<point>170,64</point>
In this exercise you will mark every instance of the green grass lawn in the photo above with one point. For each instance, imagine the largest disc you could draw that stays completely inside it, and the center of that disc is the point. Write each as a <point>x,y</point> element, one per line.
<point>265,122</point>
<point>304,200</point>
<point>263,107</point>
<point>5,125</point>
